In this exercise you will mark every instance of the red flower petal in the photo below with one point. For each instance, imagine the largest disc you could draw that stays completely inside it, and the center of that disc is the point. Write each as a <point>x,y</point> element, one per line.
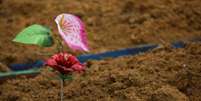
<point>65,63</point>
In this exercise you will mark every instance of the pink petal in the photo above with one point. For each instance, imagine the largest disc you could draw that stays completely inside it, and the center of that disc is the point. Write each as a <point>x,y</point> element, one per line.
<point>72,30</point>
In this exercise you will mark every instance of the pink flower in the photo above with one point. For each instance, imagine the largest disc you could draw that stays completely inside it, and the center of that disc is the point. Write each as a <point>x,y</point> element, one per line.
<point>65,63</point>
<point>72,30</point>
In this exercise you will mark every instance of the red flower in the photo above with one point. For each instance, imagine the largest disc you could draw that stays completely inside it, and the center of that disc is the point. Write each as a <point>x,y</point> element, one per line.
<point>65,63</point>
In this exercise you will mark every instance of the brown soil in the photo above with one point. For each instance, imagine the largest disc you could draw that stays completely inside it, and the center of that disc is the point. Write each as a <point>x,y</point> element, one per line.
<point>110,24</point>
<point>3,68</point>
<point>161,75</point>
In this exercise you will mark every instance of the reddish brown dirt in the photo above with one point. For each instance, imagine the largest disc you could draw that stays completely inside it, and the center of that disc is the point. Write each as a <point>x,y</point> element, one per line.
<point>161,75</point>
<point>3,68</point>
<point>110,24</point>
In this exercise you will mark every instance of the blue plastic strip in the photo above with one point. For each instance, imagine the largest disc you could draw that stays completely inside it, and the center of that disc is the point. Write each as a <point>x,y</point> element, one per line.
<point>84,58</point>
<point>26,66</point>
<point>117,53</point>
<point>113,54</point>
<point>178,44</point>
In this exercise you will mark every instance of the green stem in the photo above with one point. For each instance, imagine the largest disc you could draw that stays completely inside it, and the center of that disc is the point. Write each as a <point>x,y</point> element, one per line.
<point>62,87</point>
<point>59,46</point>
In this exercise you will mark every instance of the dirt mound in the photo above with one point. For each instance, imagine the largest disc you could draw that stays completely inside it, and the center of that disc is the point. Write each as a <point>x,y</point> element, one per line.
<point>162,75</point>
<point>110,24</point>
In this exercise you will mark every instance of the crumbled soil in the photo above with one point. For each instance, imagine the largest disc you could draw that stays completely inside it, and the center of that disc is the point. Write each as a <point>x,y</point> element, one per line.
<point>110,24</point>
<point>164,74</point>
<point>4,68</point>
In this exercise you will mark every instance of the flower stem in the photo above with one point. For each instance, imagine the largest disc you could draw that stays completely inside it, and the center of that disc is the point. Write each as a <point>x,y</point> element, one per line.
<point>59,46</point>
<point>61,90</point>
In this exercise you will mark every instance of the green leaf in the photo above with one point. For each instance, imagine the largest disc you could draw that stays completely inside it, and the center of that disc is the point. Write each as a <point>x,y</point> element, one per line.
<point>35,34</point>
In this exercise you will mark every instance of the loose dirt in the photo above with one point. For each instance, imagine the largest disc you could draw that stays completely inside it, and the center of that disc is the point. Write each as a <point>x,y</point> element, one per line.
<point>163,74</point>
